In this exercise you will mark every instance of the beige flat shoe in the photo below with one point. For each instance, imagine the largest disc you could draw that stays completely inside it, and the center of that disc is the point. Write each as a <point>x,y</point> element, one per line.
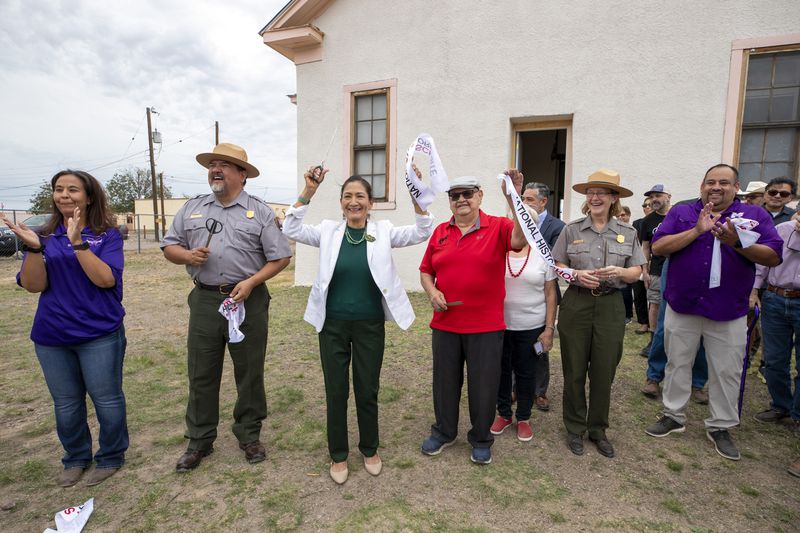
<point>339,476</point>
<point>375,467</point>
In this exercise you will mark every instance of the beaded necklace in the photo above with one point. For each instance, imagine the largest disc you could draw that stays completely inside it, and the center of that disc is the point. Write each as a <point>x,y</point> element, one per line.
<point>508,262</point>
<point>350,238</point>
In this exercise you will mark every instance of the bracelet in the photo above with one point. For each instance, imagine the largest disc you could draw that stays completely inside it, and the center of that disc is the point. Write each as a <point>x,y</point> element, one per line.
<point>303,200</point>
<point>551,327</point>
<point>28,249</point>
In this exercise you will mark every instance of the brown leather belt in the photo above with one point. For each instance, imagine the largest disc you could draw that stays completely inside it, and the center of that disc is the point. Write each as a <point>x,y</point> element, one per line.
<point>786,293</point>
<point>222,289</point>
<point>605,291</point>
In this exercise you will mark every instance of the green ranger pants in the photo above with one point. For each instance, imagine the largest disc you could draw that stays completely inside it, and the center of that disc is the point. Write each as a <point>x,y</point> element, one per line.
<point>363,342</point>
<point>591,330</point>
<point>208,336</point>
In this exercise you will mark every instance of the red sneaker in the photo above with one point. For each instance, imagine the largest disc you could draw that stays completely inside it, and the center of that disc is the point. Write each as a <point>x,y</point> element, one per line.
<point>524,431</point>
<point>500,425</point>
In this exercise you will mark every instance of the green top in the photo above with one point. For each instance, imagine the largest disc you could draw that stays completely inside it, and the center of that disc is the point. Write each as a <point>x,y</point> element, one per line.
<point>352,294</point>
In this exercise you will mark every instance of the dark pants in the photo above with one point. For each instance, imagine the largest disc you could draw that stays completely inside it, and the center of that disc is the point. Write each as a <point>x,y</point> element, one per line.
<point>483,353</point>
<point>640,302</point>
<point>208,336</point>
<point>363,342</point>
<point>520,358</point>
<point>627,299</point>
<point>591,329</point>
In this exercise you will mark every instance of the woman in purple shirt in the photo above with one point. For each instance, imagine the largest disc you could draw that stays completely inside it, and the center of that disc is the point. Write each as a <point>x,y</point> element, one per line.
<point>76,264</point>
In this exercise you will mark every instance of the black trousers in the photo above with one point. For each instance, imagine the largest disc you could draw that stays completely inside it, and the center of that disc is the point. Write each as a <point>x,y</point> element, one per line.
<point>483,353</point>
<point>520,358</point>
<point>640,302</point>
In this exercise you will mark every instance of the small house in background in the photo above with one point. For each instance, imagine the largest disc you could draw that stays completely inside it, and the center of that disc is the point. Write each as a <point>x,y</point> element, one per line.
<point>657,91</point>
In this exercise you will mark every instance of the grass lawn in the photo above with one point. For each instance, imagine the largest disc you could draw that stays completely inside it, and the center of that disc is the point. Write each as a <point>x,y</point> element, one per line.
<point>677,483</point>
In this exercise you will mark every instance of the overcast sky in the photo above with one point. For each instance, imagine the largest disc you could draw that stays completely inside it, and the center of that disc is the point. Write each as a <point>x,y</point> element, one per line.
<point>77,75</point>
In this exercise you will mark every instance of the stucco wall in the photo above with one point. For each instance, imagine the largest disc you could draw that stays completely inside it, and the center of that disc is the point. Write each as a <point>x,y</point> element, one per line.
<point>645,82</point>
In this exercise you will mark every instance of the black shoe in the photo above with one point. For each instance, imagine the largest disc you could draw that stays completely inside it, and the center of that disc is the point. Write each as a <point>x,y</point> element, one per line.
<point>724,444</point>
<point>664,426</point>
<point>191,459</point>
<point>603,446</point>
<point>645,352</point>
<point>254,451</point>
<point>771,415</point>
<point>575,443</point>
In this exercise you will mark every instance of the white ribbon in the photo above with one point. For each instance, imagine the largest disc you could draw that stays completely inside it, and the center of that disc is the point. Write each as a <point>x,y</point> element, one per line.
<point>748,237</point>
<point>234,312</point>
<point>531,230</point>
<point>423,194</point>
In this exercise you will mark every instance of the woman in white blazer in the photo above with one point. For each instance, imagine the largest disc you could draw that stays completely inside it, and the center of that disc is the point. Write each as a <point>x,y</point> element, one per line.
<point>357,289</point>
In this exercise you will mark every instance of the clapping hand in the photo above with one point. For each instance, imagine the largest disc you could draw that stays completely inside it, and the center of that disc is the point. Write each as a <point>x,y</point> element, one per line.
<point>23,232</point>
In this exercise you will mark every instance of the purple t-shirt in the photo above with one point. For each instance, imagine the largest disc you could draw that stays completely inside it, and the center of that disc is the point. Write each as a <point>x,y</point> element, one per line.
<point>73,310</point>
<point>687,289</point>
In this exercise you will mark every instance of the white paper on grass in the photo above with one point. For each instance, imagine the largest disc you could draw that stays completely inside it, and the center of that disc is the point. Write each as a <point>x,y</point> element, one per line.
<point>73,519</point>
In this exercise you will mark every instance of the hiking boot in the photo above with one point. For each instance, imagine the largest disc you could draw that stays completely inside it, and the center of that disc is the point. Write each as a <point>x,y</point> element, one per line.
<point>794,468</point>
<point>664,426</point>
<point>724,444</point>
<point>254,451</point>
<point>524,431</point>
<point>699,396</point>
<point>603,446</point>
<point>434,446</point>
<point>651,389</point>
<point>481,456</point>
<point>771,416</point>
<point>500,425</point>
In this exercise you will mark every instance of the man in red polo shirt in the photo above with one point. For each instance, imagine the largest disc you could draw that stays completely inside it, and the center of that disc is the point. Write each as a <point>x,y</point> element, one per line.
<point>462,272</point>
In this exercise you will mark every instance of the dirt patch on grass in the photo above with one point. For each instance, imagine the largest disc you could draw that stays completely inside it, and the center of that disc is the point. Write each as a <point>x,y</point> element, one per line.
<point>673,484</point>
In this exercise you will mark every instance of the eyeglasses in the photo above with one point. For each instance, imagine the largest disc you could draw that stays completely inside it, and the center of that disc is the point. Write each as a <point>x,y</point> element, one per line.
<point>601,194</point>
<point>469,193</point>
<point>645,206</point>
<point>776,192</point>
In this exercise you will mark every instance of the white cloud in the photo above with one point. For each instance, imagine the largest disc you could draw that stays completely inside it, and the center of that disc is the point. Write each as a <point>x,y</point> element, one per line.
<point>76,78</point>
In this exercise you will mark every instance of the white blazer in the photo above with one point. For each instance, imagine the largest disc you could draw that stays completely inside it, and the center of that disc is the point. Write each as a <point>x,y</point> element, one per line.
<point>327,236</point>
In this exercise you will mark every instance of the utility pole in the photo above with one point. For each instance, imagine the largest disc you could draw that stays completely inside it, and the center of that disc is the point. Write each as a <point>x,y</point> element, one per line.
<point>152,171</point>
<point>161,194</point>
<point>216,136</point>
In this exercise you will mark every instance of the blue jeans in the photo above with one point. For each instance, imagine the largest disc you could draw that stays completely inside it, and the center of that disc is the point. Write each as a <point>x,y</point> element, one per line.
<point>657,360</point>
<point>72,371</point>
<point>780,325</point>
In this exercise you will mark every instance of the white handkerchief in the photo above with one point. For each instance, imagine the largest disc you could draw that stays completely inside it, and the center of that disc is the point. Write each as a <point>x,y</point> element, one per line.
<point>748,237</point>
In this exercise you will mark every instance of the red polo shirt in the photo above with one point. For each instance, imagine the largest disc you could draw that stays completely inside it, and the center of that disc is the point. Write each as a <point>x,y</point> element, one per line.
<point>470,268</point>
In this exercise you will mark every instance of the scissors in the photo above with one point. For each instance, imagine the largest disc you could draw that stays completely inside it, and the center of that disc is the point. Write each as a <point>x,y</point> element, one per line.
<point>321,166</point>
<point>213,226</point>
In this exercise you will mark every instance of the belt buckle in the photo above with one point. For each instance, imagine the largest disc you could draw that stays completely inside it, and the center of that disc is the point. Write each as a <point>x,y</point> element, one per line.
<point>596,292</point>
<point>221,290</point>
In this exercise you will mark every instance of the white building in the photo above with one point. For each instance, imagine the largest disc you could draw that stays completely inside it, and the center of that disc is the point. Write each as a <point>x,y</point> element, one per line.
<point>654,90</point>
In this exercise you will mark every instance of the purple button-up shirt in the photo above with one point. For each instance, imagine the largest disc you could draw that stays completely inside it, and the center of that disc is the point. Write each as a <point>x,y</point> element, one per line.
<point>687,289</point>
<point>787,274</point>
<point>73,310</point>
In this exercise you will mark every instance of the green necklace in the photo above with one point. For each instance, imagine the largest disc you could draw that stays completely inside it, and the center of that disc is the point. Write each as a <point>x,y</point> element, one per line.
<point>350,238</point>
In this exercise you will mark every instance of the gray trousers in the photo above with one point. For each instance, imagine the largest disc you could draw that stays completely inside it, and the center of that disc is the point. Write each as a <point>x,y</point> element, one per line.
<point>724,342</point>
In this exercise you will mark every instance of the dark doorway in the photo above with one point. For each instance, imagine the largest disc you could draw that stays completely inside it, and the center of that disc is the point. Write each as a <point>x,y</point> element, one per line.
<point>541,156</point>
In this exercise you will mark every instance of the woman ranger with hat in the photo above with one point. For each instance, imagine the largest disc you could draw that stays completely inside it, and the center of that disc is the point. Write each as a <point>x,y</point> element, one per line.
<point>356,291</point>
<point>606,255</point>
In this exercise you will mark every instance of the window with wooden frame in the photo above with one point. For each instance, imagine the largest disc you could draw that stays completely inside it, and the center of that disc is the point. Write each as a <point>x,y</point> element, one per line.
<point>370,139</point>
<point>770,125</point>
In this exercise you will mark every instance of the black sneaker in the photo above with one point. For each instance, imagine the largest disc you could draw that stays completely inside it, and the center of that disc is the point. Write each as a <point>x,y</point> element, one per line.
<point>664,426</point>
<point>724,444</point>
<point>770,416</point>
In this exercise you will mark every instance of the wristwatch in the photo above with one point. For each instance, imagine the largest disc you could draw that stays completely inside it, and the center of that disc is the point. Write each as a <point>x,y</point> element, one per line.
<point>82,246</point>
<point>30,250</point>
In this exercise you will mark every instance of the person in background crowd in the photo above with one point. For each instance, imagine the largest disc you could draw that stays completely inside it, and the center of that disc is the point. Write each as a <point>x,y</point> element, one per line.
<point>660,204</point>
<point>530,316</point>
<point>76,264</point>
<point>356,291</point>
<point>638,287</point>
<point>231,267</point>
<point>537,195</point>
<point>779,192</point>
<point>698,311</point>
<point>754,194</point>
<point>606,255</point>
<point>780,320</point>
<point>627,290</point>
<point>463,274</point>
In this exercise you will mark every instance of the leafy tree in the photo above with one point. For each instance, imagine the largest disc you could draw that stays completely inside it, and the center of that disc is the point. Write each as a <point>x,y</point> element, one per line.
<point>42,200</point>
<point>129,185</point>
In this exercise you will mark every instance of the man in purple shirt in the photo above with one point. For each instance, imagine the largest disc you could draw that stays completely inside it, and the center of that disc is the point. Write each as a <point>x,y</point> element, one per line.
<point>707,304</point>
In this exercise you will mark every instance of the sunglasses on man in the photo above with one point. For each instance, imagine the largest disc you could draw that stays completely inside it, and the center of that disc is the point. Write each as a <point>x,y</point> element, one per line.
<point>776,192</point>
<point>467,194</point>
